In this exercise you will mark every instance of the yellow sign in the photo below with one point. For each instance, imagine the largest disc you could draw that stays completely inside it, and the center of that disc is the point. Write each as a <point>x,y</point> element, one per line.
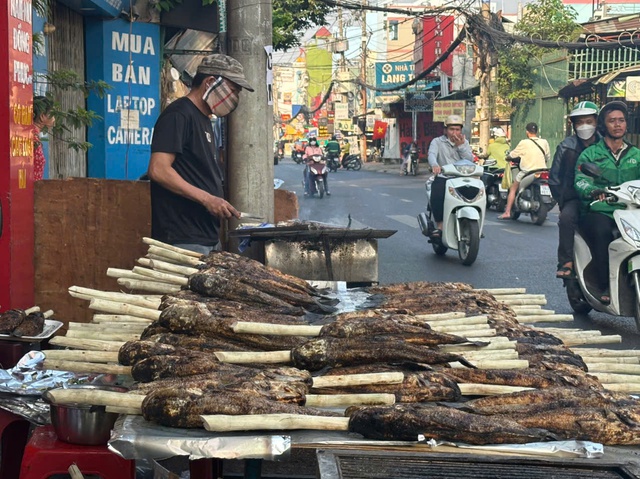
<point>344,125</point>
<point>22,179</point>
<point>443,108</point>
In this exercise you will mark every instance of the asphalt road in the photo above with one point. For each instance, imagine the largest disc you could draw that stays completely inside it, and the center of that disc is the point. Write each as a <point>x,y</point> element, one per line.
<point>512,253</point>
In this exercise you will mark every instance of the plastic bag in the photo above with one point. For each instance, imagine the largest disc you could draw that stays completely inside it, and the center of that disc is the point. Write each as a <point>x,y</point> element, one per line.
<point>506,178</point>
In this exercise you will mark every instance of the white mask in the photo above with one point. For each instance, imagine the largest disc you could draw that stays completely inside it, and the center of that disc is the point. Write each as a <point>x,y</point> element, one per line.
<point>585,132</point>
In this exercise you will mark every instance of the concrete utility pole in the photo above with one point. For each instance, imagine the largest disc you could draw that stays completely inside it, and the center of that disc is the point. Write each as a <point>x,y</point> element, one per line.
<point>250,142</point>
<point>363,78</point>
<point>485,88</point>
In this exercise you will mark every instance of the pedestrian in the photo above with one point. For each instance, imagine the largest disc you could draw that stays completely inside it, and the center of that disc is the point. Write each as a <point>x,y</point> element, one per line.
<point>187,201</point>
<point>445,150</point>
<point>43,122</point>
<point>584,118</point>
<point>534,154</point>
<point>619,162</point>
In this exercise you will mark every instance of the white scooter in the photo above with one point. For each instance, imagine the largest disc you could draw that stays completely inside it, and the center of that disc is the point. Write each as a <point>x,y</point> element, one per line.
<point>624,257</point>
<point>464,210</point>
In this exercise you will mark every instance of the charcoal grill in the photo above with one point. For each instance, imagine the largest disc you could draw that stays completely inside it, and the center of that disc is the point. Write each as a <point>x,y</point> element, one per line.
<point>320,252</point>
<point>347,464</point>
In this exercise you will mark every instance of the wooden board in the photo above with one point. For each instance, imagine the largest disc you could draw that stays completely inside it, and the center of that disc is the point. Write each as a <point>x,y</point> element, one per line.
<point>82,227</point>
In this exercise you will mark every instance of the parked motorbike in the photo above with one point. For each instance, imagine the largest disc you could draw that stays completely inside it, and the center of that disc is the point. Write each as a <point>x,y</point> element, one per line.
<point>411,167</point>
<point>492,179</point>
<point>352,162</point>
<point>297,157</point>
<point>533,196</point>
<point>464,211</point>
<point>319,172</point>
<point>333,162</point>
<point>624,257</point>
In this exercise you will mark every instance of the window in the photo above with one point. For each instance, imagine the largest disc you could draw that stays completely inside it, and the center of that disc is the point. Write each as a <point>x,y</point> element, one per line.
<point>393,29</point>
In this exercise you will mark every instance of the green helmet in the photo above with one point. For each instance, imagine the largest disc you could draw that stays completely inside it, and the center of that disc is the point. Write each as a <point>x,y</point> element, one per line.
<point>584,108</point>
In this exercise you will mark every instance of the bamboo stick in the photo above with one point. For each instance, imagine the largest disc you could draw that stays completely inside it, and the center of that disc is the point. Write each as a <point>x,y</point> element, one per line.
<point>47,314</point>
<point>84,367</point>
<point>476,334</point>
<point>167,267</point>
<point>33,309</point>
<point>95,397</point>
<point>134,299</point>
<point>357,379</point>
<point>493,354</point>
<point>617,368</point>
<point>469,320</point>
<point>470,389</point>
<point>160,276</point>
<point>273,422</point>
<point>246,327</point>
<point>495,364</point>
<point>524,302</point>
<point>532,311</point>
<point>86,344</point>
<point>609,360</point>
<point>493,345</point>
<point>616,378</point>
<point>248,357</point>
<point>459,330</point>
<point>153,286</point>
<point>160,244</point>
<point>82,355</point>
<point>120,318</point>
<point>101,335</point>
<point>544,318</point>
<point>577,341</point>
<point>124,273</point>
<point>532,307</point>
<point>183,259</point>
<point>122,308</point>
<point>122,327</point>
<point>155,257</point>
<point>630,388</point>
<point>131,411</point>
<point>503,291</point>
<point>635,353</point>
<point>344,400</point>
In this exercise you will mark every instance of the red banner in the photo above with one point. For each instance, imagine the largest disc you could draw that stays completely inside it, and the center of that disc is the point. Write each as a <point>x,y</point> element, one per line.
<point>379,130</point>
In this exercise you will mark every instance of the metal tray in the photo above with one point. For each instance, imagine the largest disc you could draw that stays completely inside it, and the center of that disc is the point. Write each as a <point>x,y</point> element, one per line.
<point>50,327</point>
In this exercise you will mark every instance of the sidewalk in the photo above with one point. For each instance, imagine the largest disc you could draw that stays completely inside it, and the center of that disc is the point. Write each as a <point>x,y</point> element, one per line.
<point>393,167</point>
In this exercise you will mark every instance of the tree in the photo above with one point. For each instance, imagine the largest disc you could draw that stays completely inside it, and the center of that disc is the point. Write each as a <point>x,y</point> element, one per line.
<point>545,19</point>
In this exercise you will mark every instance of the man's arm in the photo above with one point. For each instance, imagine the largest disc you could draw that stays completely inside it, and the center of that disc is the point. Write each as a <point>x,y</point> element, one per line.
<point>432,156</point>
<point>161,171</point>
<point>556,173</point>
<point>583,183</point>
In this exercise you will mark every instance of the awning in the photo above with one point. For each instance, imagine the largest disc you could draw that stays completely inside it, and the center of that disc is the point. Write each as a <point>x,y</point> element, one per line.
<point>187,49</point>
<point>585,86</point>
<point>462,94</point>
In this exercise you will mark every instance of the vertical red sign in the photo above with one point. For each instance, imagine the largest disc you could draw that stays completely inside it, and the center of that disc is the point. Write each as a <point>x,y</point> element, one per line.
<point>437,37</point>
<point>16,155</point>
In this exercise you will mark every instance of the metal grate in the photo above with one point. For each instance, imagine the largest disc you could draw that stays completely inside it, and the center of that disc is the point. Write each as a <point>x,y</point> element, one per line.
<point>351,465</point>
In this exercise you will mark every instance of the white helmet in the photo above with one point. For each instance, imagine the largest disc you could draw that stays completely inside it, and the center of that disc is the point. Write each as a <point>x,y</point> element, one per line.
<point>452,120</point>
<point>497,131</point>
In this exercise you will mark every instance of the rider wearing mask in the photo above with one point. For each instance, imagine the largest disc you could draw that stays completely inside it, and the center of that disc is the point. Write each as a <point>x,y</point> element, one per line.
<point>333,147</point>
<point>311,150</point>
<point>445,150</point>
<point>533,153</point>
<point>584,117</point>
<point>619,162</point>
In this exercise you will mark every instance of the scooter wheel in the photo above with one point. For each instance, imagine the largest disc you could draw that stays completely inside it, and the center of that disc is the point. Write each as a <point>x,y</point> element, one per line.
<point>576,299</point>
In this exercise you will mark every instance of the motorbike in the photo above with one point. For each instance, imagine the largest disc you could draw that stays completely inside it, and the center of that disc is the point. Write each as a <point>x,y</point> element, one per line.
<point>412,165</point>
<point>333,162</point>
<point>492,179</point>
<point>464,212</point>
<point>624,257</point>
<point>533,196</point>
<point>297,157</point>
<point>352,162</point>
<point>319,172</point>
<point>278,156</point>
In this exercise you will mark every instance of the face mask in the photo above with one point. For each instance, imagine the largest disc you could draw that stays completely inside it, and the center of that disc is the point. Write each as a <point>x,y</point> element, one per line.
<point>313,143</point>
<point>585,132</point>
<point>221,98</point>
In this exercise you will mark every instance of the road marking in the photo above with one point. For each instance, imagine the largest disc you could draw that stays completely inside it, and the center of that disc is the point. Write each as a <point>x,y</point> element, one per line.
<point>406,201</point>
<point>405,219</point>
<point>368,189</point>
<point>512,231</point>
<point>385,194</point>
<point>354,186</point>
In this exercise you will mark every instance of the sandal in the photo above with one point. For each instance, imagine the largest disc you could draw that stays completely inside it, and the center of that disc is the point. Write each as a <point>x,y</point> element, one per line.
<point>504,217</point>
<point>436,234</point>
<point>605,298</point>
<point>564,272</point>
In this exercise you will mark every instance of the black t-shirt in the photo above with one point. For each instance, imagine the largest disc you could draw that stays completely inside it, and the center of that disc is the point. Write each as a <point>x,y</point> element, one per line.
<point>184,130</point>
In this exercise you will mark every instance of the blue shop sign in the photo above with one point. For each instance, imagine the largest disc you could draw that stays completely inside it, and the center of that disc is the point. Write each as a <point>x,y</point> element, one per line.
<point>127,56</point>
<point>393,74</point>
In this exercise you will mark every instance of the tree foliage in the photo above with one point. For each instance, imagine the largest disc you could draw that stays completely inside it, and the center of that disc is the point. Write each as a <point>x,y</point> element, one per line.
<point>544,19</point>
<point>292,17</point>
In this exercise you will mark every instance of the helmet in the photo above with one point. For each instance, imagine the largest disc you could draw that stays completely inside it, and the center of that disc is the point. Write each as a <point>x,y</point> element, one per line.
<point>584,108</point>
<point>611,106</point>
<point>497,131</point>
<point>452,120</point>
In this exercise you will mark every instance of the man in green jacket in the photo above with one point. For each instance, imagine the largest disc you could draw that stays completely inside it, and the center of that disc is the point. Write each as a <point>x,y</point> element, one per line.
<point>619,162</point>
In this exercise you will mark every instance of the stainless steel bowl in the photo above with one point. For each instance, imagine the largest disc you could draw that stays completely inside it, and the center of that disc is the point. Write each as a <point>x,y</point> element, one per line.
<point>81,423</point>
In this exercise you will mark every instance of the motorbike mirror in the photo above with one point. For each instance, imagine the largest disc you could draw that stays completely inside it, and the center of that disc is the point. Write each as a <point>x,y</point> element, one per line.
<point>591,169</point>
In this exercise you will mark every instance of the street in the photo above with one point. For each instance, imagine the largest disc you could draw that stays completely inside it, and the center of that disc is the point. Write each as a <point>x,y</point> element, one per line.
<point>512,253</point>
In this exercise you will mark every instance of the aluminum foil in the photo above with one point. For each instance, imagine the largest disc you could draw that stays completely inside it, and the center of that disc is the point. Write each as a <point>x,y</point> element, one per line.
<point>133,438</point>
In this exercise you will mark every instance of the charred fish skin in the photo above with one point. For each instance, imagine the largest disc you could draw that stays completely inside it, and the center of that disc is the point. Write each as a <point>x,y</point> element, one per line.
<point>158,367</point>
<point>32,325</point>
<point>183,407</point>
<point>10,320</point>
<point>404,422</point>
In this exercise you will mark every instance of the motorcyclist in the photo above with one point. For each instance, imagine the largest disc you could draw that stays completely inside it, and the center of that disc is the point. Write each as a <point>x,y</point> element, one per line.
<point>534,154</point>
<point>445,150</point>
<point>311,150</point>
<point>619,162</point>
<point>406,156</point>
<point>498,149</point>
<point>346,148</point>
<point>584,117</point>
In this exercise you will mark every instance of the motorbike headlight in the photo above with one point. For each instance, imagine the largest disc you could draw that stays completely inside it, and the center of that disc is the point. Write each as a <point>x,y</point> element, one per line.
<point>466,169</point>
<point>630,231</point>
